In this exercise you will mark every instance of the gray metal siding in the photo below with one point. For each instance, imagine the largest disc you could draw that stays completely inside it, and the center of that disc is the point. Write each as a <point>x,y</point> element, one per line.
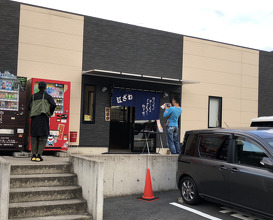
<point>97,135</point>
<point>124,48</point>
<point>9,34</point>
<point>265,84</point>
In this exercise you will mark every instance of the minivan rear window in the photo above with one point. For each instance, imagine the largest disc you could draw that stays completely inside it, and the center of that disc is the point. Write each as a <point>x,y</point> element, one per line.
<point>214,146</point>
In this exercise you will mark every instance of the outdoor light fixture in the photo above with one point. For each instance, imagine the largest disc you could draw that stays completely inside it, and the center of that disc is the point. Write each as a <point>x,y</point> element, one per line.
<point>165,95</point>
<point>104,89</point>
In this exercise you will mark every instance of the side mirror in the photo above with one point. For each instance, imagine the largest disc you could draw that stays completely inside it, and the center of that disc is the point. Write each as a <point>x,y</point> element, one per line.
<point>267,162</point>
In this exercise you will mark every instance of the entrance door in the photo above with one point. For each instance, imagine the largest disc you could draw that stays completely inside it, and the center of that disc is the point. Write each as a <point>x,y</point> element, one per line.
<point>121,129</point>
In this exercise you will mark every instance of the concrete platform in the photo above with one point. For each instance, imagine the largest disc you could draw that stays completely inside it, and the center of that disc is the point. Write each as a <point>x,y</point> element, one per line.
<point>50,160</point>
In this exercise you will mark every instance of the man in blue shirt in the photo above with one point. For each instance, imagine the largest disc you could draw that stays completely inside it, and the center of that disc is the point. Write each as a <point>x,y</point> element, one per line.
<point>172,114</point>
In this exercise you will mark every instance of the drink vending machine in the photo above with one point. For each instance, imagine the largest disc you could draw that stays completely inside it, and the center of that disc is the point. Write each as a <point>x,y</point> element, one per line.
<point>12,112</point>
<point>59,122</point>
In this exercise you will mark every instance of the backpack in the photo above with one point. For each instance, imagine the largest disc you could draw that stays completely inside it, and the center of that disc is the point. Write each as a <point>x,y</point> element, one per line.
<point>40,106</point>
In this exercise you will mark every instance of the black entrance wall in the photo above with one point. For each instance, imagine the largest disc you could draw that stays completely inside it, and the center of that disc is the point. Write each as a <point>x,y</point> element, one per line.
<point>9,34</point>
<point>97,134</point>
<point>125,48</point>
<point>265,102</point>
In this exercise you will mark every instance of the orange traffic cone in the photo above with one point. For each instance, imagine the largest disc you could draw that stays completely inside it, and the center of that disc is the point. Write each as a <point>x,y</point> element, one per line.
<point>148,190</point>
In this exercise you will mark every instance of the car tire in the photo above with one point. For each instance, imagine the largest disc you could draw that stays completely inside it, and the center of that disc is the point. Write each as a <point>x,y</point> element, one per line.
<point>189,191</point>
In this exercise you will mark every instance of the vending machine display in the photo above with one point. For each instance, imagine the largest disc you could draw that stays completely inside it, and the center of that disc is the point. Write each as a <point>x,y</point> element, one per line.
<point>12,112</point>
<point>9,92</point>
<point>56,90</point>
<point>59,122</point>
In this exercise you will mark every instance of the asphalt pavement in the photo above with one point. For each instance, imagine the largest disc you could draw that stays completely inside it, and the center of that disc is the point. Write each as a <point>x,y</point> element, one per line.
<point>168,208</point>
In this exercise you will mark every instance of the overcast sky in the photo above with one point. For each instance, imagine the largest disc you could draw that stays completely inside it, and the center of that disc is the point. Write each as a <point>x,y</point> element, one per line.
<point>247,23</point>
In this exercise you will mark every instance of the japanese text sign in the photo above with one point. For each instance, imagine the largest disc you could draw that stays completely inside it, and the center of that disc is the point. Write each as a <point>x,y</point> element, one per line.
<point>147,103</point>
<point>123,97</point>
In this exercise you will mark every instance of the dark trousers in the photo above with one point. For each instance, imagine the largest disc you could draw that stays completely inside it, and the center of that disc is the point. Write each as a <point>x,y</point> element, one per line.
<point>38,144</point>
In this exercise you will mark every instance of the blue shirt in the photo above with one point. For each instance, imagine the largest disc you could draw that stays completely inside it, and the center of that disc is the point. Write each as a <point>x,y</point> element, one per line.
<point>175,114</point>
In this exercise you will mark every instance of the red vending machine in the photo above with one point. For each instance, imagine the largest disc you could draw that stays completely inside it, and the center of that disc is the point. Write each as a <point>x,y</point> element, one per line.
<point>59,122</point>
<point>12,112</point>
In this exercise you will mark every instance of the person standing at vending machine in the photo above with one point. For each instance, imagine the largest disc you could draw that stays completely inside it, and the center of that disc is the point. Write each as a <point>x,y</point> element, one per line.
<point>41,107</point>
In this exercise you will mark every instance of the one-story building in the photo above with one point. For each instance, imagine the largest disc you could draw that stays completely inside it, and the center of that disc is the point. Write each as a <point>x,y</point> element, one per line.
<point>220,85</point>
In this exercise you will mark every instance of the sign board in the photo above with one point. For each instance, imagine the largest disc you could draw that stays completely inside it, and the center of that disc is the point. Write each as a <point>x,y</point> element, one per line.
<point>147,103</point>
<point>107,113</point>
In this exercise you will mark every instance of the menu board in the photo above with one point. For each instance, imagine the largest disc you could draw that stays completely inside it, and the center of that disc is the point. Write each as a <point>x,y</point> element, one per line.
<point>9,92</point>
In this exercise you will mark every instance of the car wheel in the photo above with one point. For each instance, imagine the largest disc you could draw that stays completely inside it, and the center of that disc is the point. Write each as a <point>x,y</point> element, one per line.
<point>189,191</point>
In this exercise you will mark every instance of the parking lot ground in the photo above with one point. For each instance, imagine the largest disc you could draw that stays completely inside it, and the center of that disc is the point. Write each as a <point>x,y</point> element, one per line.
<point>168,208</point>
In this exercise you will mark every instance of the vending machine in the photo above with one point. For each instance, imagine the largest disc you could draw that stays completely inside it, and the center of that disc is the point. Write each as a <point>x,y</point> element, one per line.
<point>12,112</point>
<point>59,122</point>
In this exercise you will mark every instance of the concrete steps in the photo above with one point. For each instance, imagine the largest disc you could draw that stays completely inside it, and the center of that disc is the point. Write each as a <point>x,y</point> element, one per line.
<point>45,191</point>
<point>59,217</point>
<point>42,180</point>
<point>38,168</point>
<point>47,208</point>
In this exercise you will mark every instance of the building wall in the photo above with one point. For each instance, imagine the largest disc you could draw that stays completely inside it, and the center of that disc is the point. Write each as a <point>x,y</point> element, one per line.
<point>265,84</point>
<point>125,48</point>
<point>96,135</point>
<point>58,45</point>
<point>9,30</point>
<point>223,70</point>
<point>50,47</point>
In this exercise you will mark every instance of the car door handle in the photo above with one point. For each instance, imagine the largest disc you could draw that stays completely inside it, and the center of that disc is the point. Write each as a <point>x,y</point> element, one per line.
<point>222,168</point>
<point>234,170</point>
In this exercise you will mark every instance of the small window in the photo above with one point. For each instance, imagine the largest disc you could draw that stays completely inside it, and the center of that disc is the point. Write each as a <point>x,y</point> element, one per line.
<point>189,147</point>
<point>214,146</point>
<point>89,104</point>
<point>215,112</point>
<point>248,152</point>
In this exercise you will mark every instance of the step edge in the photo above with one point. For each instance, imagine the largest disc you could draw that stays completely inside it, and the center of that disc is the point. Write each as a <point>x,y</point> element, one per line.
<point>45,189</point>
<point>40,165</point>
<point>41,175</point>
<point>87,216</point>
<point>42,203</point>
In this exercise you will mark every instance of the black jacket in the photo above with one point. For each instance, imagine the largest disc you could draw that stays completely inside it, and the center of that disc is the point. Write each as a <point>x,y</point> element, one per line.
<point>40,123</point>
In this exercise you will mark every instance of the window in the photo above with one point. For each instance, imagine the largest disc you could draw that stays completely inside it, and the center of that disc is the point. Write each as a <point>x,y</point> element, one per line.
<point>214,146</point>
<point>119,113</point>
<point>269,141</point>
<point>189,147</point>
<point>89,104</point>
<point>248,152</point>
<point>215,112</point>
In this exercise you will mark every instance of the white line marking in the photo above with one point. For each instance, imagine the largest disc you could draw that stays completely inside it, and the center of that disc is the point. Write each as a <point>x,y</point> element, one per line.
<point>239,214</point>
<point>195,211</point>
